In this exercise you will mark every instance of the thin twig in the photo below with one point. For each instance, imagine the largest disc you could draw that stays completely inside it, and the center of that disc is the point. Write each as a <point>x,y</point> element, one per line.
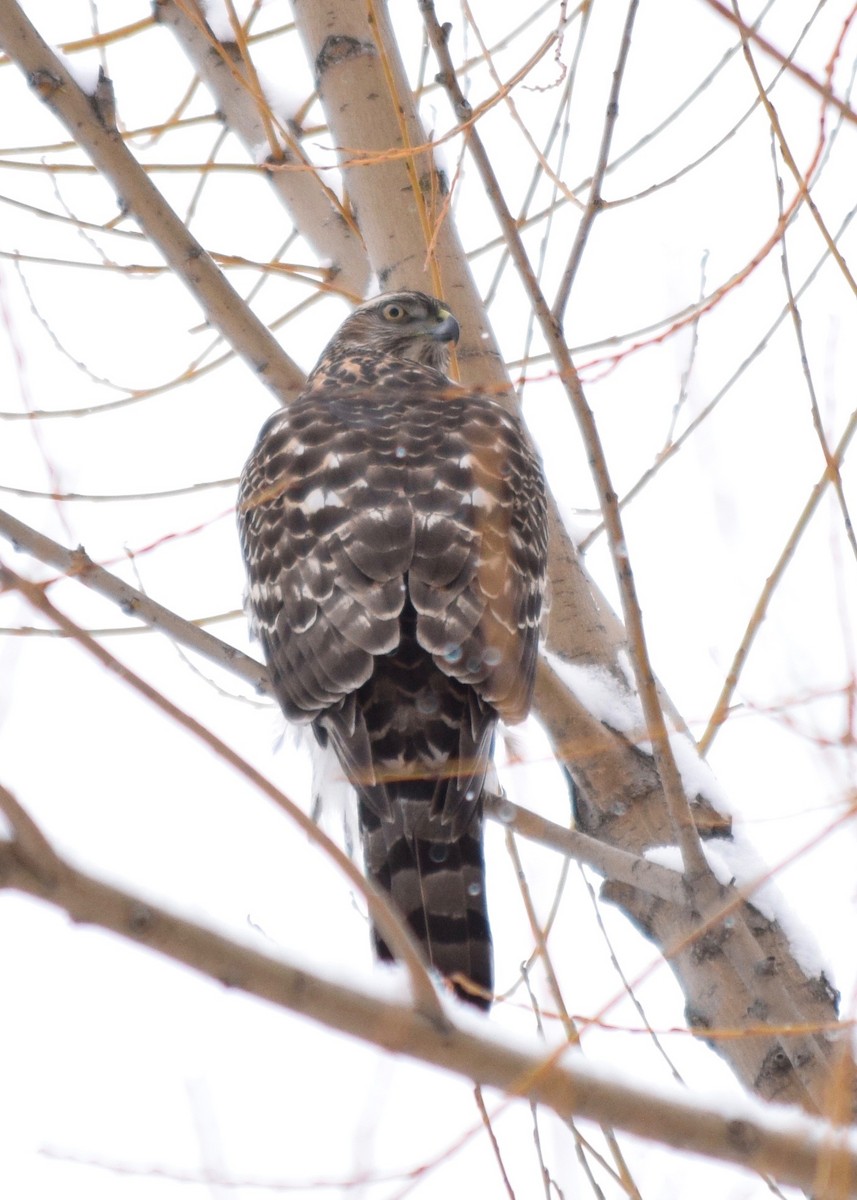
<point>492,1137</point>
<point>542,951</point>
<point>818,424</point>
<point>594,203</point>
<point>691,359</point>
<point>801,178</point>
<point>55,85</point>
<point>751,34</point>
<point>114,497</point>
<point>622,1172</point>
<point>545,170</point>
<point>103,631</point>
<point>561,128</point>
<point>721,708</point>
<point>701,88</point>
<point>674,447</point>
<point>673,789</point>
<point>101,39</point>
<point>626,983</point>
<point>78,565</point>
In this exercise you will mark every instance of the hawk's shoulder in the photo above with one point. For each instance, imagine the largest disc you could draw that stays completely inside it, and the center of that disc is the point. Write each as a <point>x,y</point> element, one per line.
<point>343,367</point>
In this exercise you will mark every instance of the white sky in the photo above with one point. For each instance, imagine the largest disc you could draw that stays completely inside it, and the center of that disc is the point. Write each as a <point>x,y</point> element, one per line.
<point>113,1058</point>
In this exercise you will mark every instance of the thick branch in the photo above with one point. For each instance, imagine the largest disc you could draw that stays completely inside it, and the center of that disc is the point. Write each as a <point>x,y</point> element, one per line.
<point>310,205</point>
<point>801,1152</point>
<point>609,861</point>
<point>371,112</point>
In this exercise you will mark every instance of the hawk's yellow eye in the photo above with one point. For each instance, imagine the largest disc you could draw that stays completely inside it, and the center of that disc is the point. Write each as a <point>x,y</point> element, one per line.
<point>394,312</point>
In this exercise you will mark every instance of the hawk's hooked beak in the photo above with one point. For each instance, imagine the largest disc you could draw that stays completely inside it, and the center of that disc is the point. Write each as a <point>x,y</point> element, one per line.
<point>448,330</point>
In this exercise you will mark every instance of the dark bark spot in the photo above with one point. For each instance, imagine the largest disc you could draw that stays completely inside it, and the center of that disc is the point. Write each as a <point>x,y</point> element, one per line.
<point>766,966</point>
<point>743,1137</point>
<point>434,183</point>
<point>777,1064</point>
<point>696,1019</point>
<point>709,945</point>
<point>338,49</point>
<point>140,920</point>
<point>824,991</point>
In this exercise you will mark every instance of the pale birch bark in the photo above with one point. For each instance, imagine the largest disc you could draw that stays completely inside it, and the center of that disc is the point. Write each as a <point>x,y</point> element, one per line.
<point>310,205</point>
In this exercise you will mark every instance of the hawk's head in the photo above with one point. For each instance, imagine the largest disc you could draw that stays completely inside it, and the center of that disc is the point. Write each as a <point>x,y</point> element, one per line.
<point>405,324</point>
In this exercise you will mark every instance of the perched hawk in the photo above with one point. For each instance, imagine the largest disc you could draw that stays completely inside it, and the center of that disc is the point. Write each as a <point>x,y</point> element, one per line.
<point>394,532</point>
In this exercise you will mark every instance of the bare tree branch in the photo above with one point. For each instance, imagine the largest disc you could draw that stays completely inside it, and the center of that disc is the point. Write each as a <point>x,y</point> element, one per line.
<point>411,240</point>
<point>802,179</point>
<point>308,202</point>
<point>750,33</point>
<point>608,860</point>
<point>800,1151</point>
<point>78,565</point>
<point>772,579</point>
<point>51,80</point>
<point>595,201</point>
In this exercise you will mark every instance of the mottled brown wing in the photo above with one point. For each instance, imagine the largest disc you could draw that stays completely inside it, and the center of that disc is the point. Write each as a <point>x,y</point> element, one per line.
<point>346,501</point>
<point>327,541</point>
<point>353,502</point>
<point>477,578</point>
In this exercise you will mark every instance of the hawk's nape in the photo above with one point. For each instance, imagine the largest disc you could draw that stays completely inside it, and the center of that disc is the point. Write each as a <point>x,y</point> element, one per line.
<point>394,531</point>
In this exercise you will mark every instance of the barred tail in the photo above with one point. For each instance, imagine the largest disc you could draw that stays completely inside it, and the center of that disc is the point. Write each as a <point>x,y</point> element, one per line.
<point>439,888</point>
